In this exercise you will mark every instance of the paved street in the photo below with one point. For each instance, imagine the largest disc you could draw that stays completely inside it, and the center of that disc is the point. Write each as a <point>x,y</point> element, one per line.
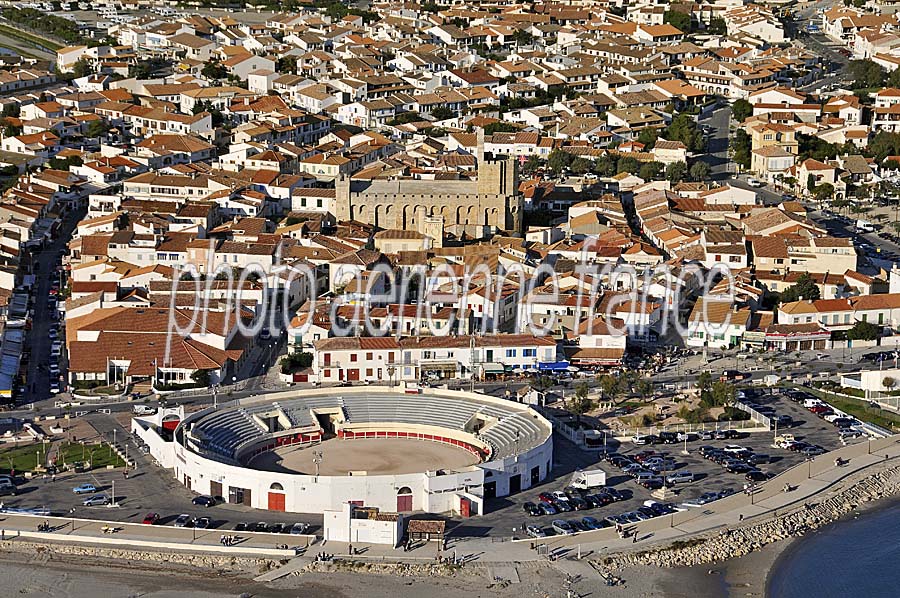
<point>45,262</point>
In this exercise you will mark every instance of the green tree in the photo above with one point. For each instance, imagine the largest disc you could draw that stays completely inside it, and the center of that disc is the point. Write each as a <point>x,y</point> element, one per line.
<point>581,165</point>
<point>699,171</point>
<point>823,191</point>
<point>559,160</point>
<point>741,110</point>
<point>678,19</point>
<point>214,70</point>
<point>644,387</point>
<point>610,386</point>
<point>650,171</point>
<point>648,136</point>
<point>683,128</point>
<point>97,128</point>
<point>531,164</point>
<point>741,145</point>
<point>442,113</point>
<point>717,26</point>
<point>522,37</point>
<point>628,164</point>
<point>865,74</point>
<point>704,380</point>
<point>285,64</point>
<point>201,377</point>
<point>863,331</point>
<point>82,68</point>
<point>722,394</point>
<point>888,382</point>
<point>579,403</point>
<point>805,288</point>
<point>676,171</point>
<point>884,144</point>
<point>500,127</point>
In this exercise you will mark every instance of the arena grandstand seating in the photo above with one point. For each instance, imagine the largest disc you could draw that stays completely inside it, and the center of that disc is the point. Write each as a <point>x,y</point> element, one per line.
<point>225,432</point>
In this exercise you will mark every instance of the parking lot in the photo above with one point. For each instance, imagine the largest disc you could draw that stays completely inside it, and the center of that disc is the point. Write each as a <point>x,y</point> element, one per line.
<point>153,489</point>
<point>709,477</point>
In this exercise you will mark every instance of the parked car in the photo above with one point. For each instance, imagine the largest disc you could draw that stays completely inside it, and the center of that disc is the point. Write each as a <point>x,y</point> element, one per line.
<point>183,520</point>
<point>547,508</point>
<point>534,531</point>
<point>299,528</point>
<point>531,509</point>
<point>561,527</point>
<point>755,475</point>
<point>98,500</point>
<point>203,523</point>
<point>681,477</point>
<point>203,501</point>
<point>84,489</point>
<point>592,523</point>
<point>151,518</point>
<point>758,459</point>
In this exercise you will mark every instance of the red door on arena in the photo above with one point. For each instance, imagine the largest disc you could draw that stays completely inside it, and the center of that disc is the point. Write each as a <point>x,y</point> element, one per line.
<point>404,500</point>
<point>276,501</point>
<point>276,497</point>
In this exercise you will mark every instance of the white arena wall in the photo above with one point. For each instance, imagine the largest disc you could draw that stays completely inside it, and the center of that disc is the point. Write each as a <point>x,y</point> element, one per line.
<point>302,493</point>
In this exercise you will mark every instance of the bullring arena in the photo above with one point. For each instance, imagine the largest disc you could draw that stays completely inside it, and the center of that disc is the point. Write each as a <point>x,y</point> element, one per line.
<point>315,450</point>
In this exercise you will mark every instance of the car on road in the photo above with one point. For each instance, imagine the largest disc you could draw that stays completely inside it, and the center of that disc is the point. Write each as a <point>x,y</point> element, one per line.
<point>55,387</point>
<point>53,334</point>
<point>184,520</point>
<point>703,499</point>
<point>203,523</point>
<point>753,182</point>
<point>681,477</point>
<point>55,351</point>
<point>96,501</point>
<point>84,489</point>
<point>151,519</point>
<point>812,451</point>
<point>203,501</point>
<point>561,527</point>
<point>299,528</point>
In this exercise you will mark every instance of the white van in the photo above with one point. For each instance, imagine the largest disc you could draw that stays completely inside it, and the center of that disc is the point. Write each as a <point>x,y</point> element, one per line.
<point>144,410</point>
<point>807,403</point>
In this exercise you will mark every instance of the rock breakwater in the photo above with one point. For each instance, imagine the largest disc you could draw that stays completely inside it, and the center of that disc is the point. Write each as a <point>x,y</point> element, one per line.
<point>737,542</point>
